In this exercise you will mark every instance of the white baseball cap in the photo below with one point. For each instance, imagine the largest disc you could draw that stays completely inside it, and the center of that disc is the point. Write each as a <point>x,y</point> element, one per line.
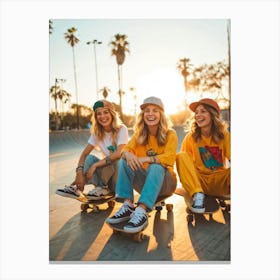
<point>152,100</point>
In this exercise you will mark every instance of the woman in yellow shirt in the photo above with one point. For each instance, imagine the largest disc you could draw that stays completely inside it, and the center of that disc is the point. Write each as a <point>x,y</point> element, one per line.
<point>205,151</point>
<point>146,166</point>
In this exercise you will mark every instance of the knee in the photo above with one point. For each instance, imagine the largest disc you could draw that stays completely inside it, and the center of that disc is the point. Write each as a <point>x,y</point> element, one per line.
<point>156,168</point>
<point>122,163</point>
<point>182,156</point>
<point>91,158</point>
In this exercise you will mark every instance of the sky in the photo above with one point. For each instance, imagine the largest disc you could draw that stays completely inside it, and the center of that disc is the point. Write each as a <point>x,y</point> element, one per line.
<point>150,67</point>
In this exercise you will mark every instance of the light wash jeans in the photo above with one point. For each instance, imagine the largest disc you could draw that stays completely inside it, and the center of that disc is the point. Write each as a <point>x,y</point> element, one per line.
<point>105,175</point>
<point>89,161</point>
<point>150,183</point>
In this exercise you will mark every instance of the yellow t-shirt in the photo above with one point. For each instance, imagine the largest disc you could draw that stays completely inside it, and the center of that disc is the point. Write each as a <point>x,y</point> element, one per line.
<point>166,153</point>
<point>208,156</point>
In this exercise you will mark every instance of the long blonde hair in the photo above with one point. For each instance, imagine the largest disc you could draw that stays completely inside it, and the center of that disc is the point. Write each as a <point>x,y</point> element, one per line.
<point>98,130</point>
<point>142,133</point>
<point>217,129</point>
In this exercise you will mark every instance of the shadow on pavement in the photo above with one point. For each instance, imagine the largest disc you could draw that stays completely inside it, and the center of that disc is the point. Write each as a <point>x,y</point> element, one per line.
<point>216,246</point>
<point>123,248</point>
<point>77,235</point>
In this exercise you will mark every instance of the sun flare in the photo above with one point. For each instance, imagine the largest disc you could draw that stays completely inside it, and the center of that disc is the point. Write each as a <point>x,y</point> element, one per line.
<point>164,83</point>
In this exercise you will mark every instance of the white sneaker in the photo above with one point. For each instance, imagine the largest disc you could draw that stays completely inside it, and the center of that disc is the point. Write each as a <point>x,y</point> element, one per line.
<point>138,221</point>
<point>99,192</point>
<point>71,191</point>
<point>198,203</point>
<point>123,214</point>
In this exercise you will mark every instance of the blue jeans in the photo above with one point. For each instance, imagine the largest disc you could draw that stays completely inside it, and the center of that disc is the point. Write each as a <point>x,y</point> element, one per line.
<point>103,176</point>
<point>149,183</point>
<point>89,161</point>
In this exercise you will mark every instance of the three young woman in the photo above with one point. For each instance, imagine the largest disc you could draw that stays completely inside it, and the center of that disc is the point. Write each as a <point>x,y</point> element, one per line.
<point>109,136</point>
<point>146,162</point>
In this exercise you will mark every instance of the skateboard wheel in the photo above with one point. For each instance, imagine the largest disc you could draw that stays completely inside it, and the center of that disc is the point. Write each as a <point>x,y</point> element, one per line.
<point>84,207</point>
<point>222,203</point>
<point>95,208</point>
<point>169,207</point>
<point>190,218</point>
<point>111,203</point>
<point>138,237</point>
<point>158,208</point>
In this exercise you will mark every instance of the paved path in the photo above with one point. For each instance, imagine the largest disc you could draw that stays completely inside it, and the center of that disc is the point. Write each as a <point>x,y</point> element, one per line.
<point>83,236</point>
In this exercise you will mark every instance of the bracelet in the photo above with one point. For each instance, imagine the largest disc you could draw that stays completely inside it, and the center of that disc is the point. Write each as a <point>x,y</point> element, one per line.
<point>80,167</point>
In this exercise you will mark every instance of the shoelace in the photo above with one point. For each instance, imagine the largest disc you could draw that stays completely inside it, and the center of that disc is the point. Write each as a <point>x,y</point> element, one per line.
<point>198,200</point>
<point>70,189</point>
<point>95,191</point>
<point>122,210</point>
<point>136,217</point>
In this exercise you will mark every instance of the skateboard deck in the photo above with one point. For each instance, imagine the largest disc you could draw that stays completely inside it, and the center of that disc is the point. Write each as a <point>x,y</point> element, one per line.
<point>91,203</point>
<point>211,205</point>
<point>139,236</point>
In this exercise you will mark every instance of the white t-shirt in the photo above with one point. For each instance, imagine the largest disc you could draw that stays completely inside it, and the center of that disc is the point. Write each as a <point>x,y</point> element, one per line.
<point>105,145</point>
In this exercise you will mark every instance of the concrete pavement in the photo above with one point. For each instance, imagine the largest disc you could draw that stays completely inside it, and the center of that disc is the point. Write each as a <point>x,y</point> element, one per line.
<point>76,236</point>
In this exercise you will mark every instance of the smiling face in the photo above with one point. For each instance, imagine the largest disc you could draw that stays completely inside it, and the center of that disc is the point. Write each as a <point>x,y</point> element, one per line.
<point>104,118</point>
<point>202,117</point>
<point>151,115</point>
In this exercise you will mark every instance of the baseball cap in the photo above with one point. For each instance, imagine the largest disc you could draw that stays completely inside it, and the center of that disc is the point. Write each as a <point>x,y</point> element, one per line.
<point>152,100</point>
<point>103,104</point>
<point>207,101</point>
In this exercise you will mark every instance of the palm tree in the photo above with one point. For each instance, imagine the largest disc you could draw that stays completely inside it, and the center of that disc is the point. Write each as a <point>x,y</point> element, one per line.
<point>119,49</point>
<point>64,98</point>
<point>50,26</point>
<point>105,92</point>
<point>184,67</point>
<point>54,92</point>
<point>73,40</point>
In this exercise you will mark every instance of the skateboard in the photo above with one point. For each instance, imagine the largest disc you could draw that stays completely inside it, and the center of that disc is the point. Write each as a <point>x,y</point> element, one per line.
<point>139,236</point>
<point>93,204</point>
<point>212,205</point>
<point>90,203</point>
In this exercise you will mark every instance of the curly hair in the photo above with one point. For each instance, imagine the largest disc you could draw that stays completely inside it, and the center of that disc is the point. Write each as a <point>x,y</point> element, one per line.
<point>98,130</point>
<point>142,133</point>
<point>217,128</point>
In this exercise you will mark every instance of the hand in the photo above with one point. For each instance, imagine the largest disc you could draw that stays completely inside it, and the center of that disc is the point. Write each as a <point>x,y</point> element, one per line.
<point>133,161</point>
<point>90,172</point>
<point>79,181</point>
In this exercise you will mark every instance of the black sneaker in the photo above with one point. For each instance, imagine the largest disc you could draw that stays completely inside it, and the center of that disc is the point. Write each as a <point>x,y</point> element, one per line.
<point>138,221</point>
<point>71,191</point>
<point>123,214</point>
<point>198,203</point>
<point>99,192</point>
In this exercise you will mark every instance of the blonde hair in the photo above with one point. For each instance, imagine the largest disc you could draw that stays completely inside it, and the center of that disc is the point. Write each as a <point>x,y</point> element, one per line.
<point>217,129</point>
<point>98,130</point>
<point>142,133</point>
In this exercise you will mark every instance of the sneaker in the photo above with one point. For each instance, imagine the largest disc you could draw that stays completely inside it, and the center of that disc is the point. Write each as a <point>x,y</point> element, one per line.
<point>98,193</point>
<point>198,203</point>
<point>138,221</point>
<point>123,214</point>
<point>71,191</point>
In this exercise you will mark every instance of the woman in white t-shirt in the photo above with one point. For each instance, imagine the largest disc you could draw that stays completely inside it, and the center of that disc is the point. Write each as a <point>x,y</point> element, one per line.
<point>108,136</point>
